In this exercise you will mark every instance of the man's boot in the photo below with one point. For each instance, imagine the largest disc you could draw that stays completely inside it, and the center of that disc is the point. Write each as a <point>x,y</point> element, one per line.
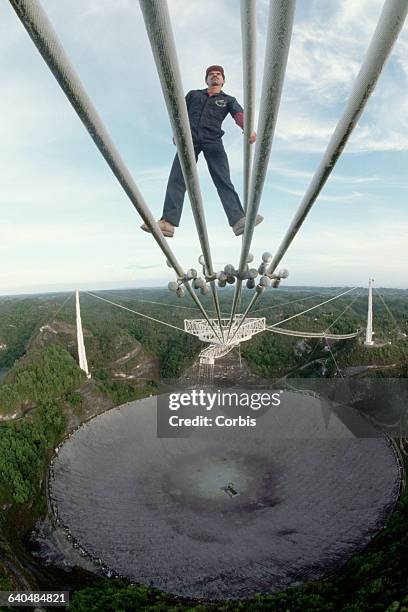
<point>239,227</point>
<point>166,228</point>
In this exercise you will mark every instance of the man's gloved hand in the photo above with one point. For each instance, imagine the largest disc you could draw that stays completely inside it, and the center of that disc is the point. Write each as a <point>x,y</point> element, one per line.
<point>252,138</point>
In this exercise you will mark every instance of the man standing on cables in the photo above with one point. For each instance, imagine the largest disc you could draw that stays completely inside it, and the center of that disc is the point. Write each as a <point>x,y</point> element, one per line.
<point>207,109</point>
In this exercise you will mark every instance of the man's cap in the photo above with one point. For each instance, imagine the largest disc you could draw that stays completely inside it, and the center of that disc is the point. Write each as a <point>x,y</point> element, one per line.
<point>218,68</point>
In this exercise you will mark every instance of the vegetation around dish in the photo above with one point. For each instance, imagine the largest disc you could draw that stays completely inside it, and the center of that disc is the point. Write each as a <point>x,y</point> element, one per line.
<point>45,394</point>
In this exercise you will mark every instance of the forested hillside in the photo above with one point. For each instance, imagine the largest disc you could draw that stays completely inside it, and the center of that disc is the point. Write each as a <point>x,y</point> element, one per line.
<point>128,356</point>
<point>41,376</point>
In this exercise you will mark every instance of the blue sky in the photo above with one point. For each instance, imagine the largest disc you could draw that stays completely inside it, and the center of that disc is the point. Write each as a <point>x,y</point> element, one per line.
<point>65,221</point>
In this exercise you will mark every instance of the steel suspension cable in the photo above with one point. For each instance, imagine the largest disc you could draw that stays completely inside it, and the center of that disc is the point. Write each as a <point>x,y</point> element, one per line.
<point>309,297</point>
<point>42,33</point>
<point>344,311</point>
<point>313,307</point>
<point>248,34</point>
<point>386,33</point>
<point>59,309</point>
<point>326,331</point>
<point>280,24</point>
<point>255,297</point>
<point>334,359</point>
<point>50,319</point>
<point>325,334</point>
<point>306,334</point>
<point>139,314</point>
<point>158,25</point>
<point>165,304</point>
<point>394,320</point>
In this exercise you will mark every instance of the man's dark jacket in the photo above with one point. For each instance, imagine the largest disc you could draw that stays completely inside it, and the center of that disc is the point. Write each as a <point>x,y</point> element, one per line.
<point>206,114</point>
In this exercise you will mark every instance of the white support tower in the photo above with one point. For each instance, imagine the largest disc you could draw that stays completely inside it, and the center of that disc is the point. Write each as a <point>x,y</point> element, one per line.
<point>222,340</point>
<point>369,330</point>
<point>83,364</point>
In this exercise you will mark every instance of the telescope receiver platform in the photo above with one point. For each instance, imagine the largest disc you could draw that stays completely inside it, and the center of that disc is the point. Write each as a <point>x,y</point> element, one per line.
<point>222,339</point>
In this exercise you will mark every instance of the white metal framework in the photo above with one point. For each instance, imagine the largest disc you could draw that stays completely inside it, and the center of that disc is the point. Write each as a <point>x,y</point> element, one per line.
<point>205,332</point>
<point>213,352</point>
<point>369,330</point>
<point>217,348</point>
<point>308,334</point>
<point>83,363</point>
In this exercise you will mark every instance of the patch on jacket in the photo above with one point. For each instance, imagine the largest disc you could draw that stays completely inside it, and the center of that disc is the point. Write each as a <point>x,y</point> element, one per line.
<point>222,103</point>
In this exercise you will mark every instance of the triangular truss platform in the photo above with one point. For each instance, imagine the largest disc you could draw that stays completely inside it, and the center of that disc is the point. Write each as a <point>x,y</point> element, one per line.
<point>222,339</point>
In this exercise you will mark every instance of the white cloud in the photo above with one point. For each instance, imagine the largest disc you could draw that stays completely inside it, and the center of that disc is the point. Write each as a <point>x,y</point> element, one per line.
<point>350,197</point>
<point>350,255</point>
<point>326,53</point>
<point>58,197</point>
<point>292,173</point>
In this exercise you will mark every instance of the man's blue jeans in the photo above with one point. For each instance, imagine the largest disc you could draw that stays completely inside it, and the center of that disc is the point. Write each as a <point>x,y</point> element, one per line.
<point>218,166</point>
